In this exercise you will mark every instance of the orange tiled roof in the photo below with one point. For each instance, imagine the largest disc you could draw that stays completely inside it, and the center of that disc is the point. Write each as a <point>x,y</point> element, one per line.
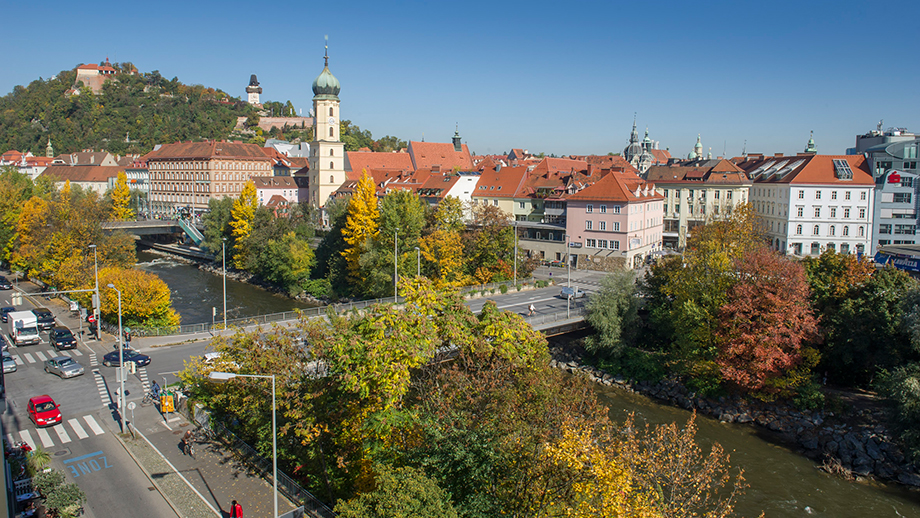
<point>83,174</point>
<point>503,183</point>
<point>617,188</point>
<point>209,149</point>
<point>274,182</point>
<point>428,155</point>
<point>360,160</point>
<point>807,168</point>
<point>714,171</point>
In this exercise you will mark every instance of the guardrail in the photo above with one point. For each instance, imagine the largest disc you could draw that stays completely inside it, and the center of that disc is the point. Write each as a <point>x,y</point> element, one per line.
<point>249,456</point>
<point>576,313</point>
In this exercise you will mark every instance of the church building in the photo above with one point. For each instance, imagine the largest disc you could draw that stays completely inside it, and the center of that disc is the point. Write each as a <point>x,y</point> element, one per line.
<point>327,151</point>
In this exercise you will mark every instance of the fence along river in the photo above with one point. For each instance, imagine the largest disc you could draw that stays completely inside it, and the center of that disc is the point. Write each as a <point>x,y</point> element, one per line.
<point>782,482</point>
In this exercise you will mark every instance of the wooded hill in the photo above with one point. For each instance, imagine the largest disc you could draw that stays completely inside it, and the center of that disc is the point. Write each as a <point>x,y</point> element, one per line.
<point>131,115</point>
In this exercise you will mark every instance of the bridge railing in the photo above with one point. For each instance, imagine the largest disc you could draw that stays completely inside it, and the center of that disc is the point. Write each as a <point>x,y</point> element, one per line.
<point>576,313</point>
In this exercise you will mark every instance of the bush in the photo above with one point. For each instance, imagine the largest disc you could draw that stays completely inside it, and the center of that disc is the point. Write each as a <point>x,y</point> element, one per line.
<point>503,288</point>
<point>635,364</point>
<point>491,291</point>
<point>809,396</point>
<point>519,287</point>
<point>902,388</point>
<point>318,288</point>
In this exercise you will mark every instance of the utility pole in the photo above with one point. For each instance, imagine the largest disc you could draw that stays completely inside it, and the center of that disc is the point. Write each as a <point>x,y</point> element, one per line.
<point>396,266</point>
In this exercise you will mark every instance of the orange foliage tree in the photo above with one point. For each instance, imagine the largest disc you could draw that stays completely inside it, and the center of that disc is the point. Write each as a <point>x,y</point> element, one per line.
<point>145,299</point>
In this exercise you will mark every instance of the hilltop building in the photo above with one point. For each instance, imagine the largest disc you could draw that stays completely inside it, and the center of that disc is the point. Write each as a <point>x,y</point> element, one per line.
<point>253,91</point>
<point>93,76</point>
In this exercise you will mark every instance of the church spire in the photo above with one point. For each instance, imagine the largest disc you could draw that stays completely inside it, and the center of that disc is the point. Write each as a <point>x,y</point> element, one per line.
<point>326,55</point>
<point>810,148</point>
<point>49,151</point>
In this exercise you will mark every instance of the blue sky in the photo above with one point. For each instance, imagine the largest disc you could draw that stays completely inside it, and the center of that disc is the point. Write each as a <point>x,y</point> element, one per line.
<point>553,77</point>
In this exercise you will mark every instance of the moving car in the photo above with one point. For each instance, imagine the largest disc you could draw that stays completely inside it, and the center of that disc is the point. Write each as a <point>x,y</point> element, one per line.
<point>9,364</point>
<point>571,293</point>
<point>111,359</point>
<point>43,411</point>
<point>62,338</point>
<point>63,366</point>
<point>5,313</point>
<point>5,284</point>
<point>45,318</point>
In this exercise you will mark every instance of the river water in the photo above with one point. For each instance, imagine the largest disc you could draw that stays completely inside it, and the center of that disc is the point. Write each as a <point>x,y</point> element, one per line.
<point>782,483</point>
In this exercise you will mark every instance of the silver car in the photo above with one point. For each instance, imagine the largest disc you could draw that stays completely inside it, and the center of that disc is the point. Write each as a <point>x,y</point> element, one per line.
<point>63,366</point>
<point>9,364</point>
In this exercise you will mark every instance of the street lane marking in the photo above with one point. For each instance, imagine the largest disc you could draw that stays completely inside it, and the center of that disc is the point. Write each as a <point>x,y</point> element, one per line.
<point>81,433</point>
<point>41,357</point>
<point>27,438</point>
<point>93,425</point>
<point>29,357</point>
<point>18,360</point>
<point>62,434</point>
<point>92,359</point>
<point>76,352</point>
<point>63,353</point>
<point>45,438</point>
<point>101,387</point>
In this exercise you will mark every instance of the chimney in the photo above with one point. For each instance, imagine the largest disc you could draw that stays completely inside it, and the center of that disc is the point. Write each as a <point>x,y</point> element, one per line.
<point>777,154</point>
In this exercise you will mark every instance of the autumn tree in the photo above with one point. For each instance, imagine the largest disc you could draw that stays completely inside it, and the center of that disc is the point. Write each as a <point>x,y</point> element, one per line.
<point>121,199</point>
<point>145,298</point>
<point>442,246</point>
<point>360,226</point>
<point>399,492</point>
<point>490,249</point>
<point>613,313</point>
<point>402,210</point>
<point>765,323</point>
<point>242,214</point>
<point>330,261</point>
<point>15,189</point>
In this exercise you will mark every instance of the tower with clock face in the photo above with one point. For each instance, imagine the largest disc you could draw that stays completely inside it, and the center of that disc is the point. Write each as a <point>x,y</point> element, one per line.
<point>327,151</point>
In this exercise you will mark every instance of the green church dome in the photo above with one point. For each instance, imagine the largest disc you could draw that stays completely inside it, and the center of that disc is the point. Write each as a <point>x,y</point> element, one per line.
<point>326,86</point>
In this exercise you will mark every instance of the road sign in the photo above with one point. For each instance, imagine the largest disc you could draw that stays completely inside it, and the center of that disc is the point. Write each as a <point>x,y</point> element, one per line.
<point>16,299</point>
<point>166,403</point>
<point>132,405</point>
<point>132,367</point>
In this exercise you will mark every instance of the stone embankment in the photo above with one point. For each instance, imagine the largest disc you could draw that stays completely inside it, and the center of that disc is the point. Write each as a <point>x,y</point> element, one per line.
<point>856,445</point>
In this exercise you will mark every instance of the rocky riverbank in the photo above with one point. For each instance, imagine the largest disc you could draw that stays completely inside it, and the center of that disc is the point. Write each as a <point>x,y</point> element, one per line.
<point>853,443</point>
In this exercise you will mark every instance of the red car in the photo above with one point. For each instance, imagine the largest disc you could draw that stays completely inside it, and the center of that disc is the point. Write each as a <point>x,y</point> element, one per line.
<point>43,411</point>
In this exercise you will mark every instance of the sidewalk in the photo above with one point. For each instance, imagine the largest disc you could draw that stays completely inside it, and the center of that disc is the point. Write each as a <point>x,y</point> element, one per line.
<point>216,478</point>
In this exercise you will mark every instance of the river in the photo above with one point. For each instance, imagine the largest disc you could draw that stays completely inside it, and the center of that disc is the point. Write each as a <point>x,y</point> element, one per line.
<point>782,483</point>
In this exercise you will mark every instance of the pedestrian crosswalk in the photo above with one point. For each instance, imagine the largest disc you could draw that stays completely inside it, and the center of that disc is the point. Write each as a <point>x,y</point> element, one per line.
<point>59,434</point>
<point>142,374</point>
<point>41,356</point>
<point>102,388</point>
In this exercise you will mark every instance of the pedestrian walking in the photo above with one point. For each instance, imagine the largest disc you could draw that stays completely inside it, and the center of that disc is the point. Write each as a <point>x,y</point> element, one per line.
<point>236,510</point>
<point>532,309</point>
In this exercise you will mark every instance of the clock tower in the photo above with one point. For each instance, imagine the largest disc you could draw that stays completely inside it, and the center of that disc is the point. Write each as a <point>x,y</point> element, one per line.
<point>327,151</point>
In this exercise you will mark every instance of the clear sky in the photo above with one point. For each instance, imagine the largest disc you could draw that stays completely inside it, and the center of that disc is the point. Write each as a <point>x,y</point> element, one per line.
<point>553,77</point>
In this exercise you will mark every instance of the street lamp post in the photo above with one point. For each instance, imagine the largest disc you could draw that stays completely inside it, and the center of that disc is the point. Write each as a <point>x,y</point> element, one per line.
<point>396,266</point>
<point>98,301</point>
<point>568,278</point>
<point>224,376</point>
<point>121,364</point>
<point>418,262</point>
<point>515,252</point>
<point>223,262</point>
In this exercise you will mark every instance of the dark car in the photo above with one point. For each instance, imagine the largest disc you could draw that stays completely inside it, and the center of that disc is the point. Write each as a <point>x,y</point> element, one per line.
<point>111,359</point>
<point>5,312</point>
<point>5,284</point>
<point>62,338</point>
<point>45,318</point>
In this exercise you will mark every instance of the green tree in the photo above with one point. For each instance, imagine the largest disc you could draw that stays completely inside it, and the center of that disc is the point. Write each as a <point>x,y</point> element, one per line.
<point>400,493</point>
<point>613,313</point>
<point>401,210</point>
<point>121,199</point>
<point>490,249</point>
<point>242,214</point>
<point>217,225</point>
<point>330,260</point>
<point>15,189</point>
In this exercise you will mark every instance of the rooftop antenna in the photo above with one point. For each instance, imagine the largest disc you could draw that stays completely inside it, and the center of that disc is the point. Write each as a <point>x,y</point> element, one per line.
<point>744,148</point>
<point>724,147</point>
<point>327,50</point>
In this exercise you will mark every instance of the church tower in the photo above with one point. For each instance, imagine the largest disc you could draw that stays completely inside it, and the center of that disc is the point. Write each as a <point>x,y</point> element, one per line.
<point>49,150</point>
<point>253,91</point>
<point>327,151</point>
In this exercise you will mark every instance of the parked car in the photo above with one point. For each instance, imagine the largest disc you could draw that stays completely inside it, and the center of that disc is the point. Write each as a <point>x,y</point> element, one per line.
<point>571,293</point>
<point>4,345</point>
<point>45,318</point>
<point>9,364</point>
<point>43,411</point>
<point>5,284</point>
<point>62,338</point>
<point>63,366</point>
<point>111,359</point>
<point>5,313</point>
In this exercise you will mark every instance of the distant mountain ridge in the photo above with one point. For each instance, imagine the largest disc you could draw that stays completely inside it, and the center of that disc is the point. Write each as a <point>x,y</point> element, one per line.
<point>132,113</point>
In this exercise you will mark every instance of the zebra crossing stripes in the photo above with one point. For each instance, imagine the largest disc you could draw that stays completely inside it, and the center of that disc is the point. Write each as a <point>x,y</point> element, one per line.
<point>18,361</point>
<point>41,357</point>
<point>61,432</point>
<point>101,387</point>
<point>92,359</point>
<point>29,357</point>
<point>142,374</point>
<point>45,355</point>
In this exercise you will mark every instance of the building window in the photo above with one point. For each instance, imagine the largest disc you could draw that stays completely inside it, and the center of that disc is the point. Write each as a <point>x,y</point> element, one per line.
<point>798,230</point>
<point>833,195</point>
<point>591,243</point>
<point>846,230</point>
<point>331,179</point>
<point>832,231</point>
<point>884,228</point>
<point>603,209</point>
<point>603,226</point>
<point>616,226</point>
<point>615,245</point>
<point>910,151</point>
<point>728,195</point>
<point>330,111</point>
<point>716,195</point>
<point>860,232</point>
<point>905,229</point>
<point>846,195</point>
<point>799,211</point>
<point>817,195</point>
<point>495,203</point>
<point>833,212</point>
<point>616,209</point>
<point>801,194</point>
<point>815,230</point>
<point>862,196</point>
<point>589,225</point>
<point>331,134</point>
<point>602,243</point>
<point>817,212</point>
<point>815,249</point>
<point>846,213</point>
<point>901,197</point>
<point>862,213</point>
<point>910,165</point>
<point>589,209</point>
<point>521,205</point>
<point>907,181</point>
<point>331,152</point>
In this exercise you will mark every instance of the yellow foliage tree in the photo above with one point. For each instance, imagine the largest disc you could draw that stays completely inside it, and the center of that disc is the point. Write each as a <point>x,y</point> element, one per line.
<point>121,199</point>
<point>444,249</point>
<point>242,214</point>
<point>145,298</point>
<point>360,225</point>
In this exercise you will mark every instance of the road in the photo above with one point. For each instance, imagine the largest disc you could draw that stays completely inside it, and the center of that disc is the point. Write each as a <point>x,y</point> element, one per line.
<point>83,446</point>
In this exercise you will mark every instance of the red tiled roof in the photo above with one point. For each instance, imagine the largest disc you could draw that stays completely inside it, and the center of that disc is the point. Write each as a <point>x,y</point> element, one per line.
<point>616,188</point>
<point>86,173</point>
<point>277,200</point>
<point>428,155</point>
<point>715,171</point>
<point>503,183</point>
<point>207,150</point>
<point>360,160</point>
<point>274,182</point>
<point>807,168</point>
<point>661,155</point>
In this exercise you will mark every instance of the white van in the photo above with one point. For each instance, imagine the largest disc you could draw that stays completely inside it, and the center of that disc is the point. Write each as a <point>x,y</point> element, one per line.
<point>23,328</point>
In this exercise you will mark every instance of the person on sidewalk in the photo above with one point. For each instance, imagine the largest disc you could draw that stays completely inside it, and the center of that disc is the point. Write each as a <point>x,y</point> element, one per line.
<point>236,510</point>
<point>532,309</point>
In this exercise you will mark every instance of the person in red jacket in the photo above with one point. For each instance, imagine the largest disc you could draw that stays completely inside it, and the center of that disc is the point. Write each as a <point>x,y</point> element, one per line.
<point>236,510</point>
